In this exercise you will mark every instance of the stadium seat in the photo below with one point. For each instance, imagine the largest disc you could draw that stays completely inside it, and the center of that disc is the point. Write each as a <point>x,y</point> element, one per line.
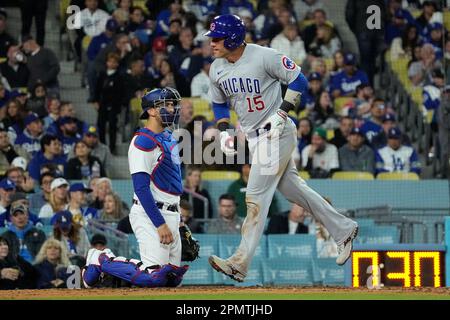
<point>330,134</point>
<point>379,235</point>
<point>228,243</point>
<point>330,273</point>
<point>220,175</point>
<point>199,273</point>
<point>291,246</point>
<point>397,176</point>
<point>202,107</point>
<point>2,230</point>
<point>352,175</point>
<point>304,175</point>
<point>447,20</point>
<point>141,4</point>
<point>288,271</point>
<point>48,230</point>
<point>365,223</point>
<point>133,251</point>
<point>209,244</point>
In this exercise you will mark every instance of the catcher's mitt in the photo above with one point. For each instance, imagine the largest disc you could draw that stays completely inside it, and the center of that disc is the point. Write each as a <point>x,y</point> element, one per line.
<point>190,247</point>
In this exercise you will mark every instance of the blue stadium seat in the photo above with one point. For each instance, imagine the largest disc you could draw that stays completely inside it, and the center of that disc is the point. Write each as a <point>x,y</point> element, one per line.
<point>288,271</point>
<point>379,235</point>
<point>2,230</point>
<point>48,230</point>
<point>199,273</point>
<point>133,251</point>
<point>330,273</point>
<point>229,243</point>
<point>216,188</point>
<point>46,221</point>
<point>291,246</point>
<point>363,222</point>
<point>209,244</point>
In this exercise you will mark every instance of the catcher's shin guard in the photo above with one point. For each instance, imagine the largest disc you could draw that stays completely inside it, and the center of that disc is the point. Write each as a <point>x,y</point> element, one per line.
<point>176,275</point>
<point>132,270</point>
<point>91,275</point>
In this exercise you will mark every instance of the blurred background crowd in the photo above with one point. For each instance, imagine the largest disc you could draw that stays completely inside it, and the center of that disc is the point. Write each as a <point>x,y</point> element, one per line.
<point>70,89</point>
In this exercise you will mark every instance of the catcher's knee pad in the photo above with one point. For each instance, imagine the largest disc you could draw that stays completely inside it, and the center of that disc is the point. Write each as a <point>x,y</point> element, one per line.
<point>175,277</point>
<point>132,270</point>
<point>91,275</point>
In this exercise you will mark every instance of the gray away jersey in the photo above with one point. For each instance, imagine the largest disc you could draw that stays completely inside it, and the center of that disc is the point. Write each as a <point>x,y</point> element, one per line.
<point>251,85</point>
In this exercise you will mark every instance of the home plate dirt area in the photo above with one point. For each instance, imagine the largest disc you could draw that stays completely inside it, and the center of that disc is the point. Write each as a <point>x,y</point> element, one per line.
<point>230,293</point>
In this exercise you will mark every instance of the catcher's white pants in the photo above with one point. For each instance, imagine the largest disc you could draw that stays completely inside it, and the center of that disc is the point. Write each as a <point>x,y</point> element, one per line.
<point>272,168</point>
<point>151,250</point>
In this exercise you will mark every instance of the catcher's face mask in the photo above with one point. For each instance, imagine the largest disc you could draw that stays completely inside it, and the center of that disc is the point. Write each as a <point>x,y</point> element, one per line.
<point>169,107</point>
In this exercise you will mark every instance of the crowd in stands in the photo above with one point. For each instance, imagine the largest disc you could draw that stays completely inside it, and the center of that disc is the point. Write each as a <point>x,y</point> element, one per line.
<point>127,46</point>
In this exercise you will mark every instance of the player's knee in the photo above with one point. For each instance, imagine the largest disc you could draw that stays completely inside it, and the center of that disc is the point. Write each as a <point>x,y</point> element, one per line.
<point>91,275</point>
<point>252,209</point>
<point>175,277</point>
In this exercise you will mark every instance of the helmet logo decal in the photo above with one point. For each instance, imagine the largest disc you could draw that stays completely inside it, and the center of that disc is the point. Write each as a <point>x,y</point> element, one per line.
<point>212,27</point>
<point>288,63</point>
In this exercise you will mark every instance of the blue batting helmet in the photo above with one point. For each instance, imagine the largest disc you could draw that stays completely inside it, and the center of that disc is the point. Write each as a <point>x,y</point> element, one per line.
<point>230,27</point>
<point>157,98</point>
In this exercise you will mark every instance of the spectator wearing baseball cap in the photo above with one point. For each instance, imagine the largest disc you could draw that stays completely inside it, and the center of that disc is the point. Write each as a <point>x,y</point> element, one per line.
<point>77,204</point>
<point>24,239</point>
<point>389,122</point>
<point>312,94</point>
<point>84,165</point>
<point>68,133</point>
<point>395,157</point>
<point>7,189</point>
<point>16,198</point>
<point>320,158</point>
<point>6,40</point>
<point>58,198</point>
<point>71,234</point>
<point>50,153</point>
<point>344,83</point>
<point>373,125</point>
<point>30,138</point>
<point>355,155</point>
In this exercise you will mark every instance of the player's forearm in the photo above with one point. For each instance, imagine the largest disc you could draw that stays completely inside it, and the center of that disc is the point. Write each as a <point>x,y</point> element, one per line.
<point>141,184</point>
<point>295,90</point>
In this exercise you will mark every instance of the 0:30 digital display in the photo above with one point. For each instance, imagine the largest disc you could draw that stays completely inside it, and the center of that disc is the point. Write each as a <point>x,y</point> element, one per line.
<point>375,269</point>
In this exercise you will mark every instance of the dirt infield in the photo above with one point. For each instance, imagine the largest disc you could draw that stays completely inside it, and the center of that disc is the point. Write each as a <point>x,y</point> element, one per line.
<point>224,292</point>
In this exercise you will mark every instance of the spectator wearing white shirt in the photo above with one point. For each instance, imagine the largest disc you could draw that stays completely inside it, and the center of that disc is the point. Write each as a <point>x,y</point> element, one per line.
<point>290,43</point>
<point>320,158</point>
<point>90,21</point>
<point>200,82</point>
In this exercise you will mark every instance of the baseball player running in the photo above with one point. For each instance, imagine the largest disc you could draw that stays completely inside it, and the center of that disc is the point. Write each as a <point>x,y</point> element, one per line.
<point>247,77</point>
<point>155,217</point>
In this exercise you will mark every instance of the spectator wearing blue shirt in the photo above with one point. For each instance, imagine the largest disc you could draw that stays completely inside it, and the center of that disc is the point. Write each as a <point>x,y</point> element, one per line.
<point>164,17</point>
<point>236,7</point>
<point>398,19</point>
<point>51,152</point>
<point>395,157</point>
<point>24,239</point>
<point>434,35</point>
<point>344,83</point>
<point>314,90</point>
<point>373,126</point>
<point>389,122</point>
<point>31,136</point>
<point>304,133</point>
<point>432,96</point>
<point>428,9</point>
<point>97,44</point>
<point>77,204</point>
<point>68,133</point>
<point>137,18</point>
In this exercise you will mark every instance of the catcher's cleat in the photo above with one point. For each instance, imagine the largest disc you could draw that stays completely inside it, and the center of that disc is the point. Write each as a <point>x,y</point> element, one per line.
<point>226,268</point>
<point>345,249</point>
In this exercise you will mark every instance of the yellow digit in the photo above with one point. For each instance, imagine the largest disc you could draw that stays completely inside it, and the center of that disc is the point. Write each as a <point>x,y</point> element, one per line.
<point>405,275</point>
<point>373,255</point>
<point>419,255</point>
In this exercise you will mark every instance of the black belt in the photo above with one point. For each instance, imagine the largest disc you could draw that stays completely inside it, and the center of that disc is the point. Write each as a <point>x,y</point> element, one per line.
<point>256,133</point>
<point>160,205</point>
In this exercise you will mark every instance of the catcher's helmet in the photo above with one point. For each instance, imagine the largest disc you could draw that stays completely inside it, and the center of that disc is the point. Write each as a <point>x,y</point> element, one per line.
<point>230,27</point>
<point>157,98</point>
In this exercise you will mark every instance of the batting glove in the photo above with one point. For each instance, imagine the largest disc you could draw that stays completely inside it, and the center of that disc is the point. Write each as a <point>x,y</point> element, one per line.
<point>276,123</point>
<point>227,144</point>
